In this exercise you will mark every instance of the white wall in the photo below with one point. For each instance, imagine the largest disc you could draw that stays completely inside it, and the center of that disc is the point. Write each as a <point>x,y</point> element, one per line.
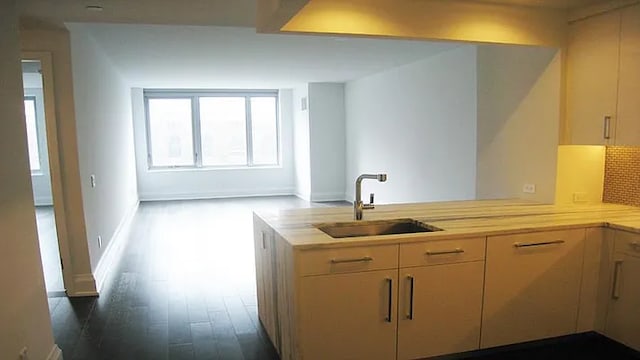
<point>24,314</point>
<point>417,123</point>
<point>212,183</point>
<point>105,141</point>
<point>301,143</point>
<point>40,180</point>
<point>518,121</point>
<point>327,141</point>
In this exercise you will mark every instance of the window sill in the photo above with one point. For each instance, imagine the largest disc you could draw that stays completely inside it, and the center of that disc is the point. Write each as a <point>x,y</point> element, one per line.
<point>207,169</point>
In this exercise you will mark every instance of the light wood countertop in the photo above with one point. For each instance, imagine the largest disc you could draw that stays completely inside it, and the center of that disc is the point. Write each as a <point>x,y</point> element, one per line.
<point>457,219</point>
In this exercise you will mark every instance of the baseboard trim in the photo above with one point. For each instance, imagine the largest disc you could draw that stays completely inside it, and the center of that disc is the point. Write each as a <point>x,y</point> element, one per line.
<point>216,195</point>
<point>328,196</point>
<point>306,197</point>
<point>43,201</point>
<point>84,285</point>
<point>114,247</point>
<point>55,353</point>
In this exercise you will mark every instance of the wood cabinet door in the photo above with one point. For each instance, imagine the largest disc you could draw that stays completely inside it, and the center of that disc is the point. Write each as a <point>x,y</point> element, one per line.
<point>628,124</point>
<point>623,318</point>
<point>265,282</point>
<point>532,286</point>
<point>349,316</point>
<point>592,78</point>
<point>440,309</point>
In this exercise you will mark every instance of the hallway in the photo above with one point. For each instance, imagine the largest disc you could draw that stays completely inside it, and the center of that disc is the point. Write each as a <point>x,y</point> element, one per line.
<point>183,289</point>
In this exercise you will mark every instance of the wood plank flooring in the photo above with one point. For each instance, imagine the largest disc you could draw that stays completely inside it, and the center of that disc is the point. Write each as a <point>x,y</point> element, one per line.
<point>183,289</point>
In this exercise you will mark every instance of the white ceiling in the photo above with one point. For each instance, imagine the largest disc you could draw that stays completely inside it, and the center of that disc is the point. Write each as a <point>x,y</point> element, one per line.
<point>191,12</point>
<point>164,56</point>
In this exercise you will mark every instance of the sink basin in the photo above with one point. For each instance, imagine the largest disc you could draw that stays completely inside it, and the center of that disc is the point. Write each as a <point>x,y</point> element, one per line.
<point>375,227</point>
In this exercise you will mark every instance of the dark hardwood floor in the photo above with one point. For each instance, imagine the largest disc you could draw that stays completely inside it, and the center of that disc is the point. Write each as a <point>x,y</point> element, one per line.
<point>183,289</point>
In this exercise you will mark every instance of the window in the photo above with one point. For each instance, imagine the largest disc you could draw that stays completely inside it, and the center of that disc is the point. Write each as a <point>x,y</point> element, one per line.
<point>212,128</point>
<point>32,133</point>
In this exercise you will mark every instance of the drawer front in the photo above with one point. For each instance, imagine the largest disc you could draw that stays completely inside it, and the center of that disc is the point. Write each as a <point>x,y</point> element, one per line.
<point>345,260</point>
<point>628,243</point>
<point>442,252</point>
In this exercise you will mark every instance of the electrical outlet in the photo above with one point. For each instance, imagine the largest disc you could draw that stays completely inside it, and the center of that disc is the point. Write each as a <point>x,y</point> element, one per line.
<point>99,241</point>
<point>92,180</point>
<point>579,197</point>
<point>23,354</point>
<point>529,188</point>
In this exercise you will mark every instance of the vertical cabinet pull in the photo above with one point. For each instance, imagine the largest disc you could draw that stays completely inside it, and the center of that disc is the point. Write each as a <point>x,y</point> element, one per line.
<point>607,127</point>
<point>264,243</point>
<point>412,281</point>
<point>389,307</point>
<point>615,292</point>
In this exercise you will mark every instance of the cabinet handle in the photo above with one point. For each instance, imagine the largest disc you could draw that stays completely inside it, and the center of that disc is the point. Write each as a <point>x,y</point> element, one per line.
<point>390,284</point>
<point>444,252</point>
<point>615,293</point>
<point>342,261</point>
<point>543,243</point>
<point>411,288</point>
<point>635,246</point>
<point>607,127</point>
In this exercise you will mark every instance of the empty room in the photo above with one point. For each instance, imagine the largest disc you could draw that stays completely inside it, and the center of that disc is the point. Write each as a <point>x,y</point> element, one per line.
<point>320,179</point>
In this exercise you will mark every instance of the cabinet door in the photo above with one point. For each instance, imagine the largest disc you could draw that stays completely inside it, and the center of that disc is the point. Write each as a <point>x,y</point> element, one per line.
<point>443,316</point>
<point>623,319</point>
<point>628,125</point>
<point>532,286</point>
<point>592,77</point>
<point>265,282</point>
<point>349,316</point>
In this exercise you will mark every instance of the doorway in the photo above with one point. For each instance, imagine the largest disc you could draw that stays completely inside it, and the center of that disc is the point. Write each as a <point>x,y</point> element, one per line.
<point>44,162</point>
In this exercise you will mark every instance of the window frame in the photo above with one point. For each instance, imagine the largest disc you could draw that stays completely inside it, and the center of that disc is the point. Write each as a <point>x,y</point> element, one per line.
<point>194,96</point>
<point>34,99</point>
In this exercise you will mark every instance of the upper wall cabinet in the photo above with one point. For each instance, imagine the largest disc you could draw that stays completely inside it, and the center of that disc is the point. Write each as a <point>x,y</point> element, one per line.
<point>603,79</point>
<point>592,78</point>
<point>628,129</point>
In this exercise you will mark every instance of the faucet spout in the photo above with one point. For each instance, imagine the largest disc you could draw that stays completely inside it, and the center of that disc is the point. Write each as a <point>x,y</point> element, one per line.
<point>358,205</point>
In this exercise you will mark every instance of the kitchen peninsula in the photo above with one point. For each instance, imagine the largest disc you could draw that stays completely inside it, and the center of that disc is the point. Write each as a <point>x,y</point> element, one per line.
<point>500,272</point>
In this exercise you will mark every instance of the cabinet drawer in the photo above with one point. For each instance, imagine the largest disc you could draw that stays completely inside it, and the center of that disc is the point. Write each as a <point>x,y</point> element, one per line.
<point>442,252</point>
<point>628,243</point>
<point>344,260</point>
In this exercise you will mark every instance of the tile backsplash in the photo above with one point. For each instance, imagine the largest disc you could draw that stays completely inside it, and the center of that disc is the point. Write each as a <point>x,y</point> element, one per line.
<point>622,175</point>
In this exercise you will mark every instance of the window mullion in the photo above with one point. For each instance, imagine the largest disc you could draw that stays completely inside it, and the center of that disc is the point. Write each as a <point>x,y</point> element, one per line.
<point>148,133</point>
<point>197,131</point>
<point>249,132</point>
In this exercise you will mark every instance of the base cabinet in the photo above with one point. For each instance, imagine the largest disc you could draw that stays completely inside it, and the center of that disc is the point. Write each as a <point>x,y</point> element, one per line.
<point>532,286</point>
<point>265,278</point>
<point>349,316</point>
<point>440,309</point>
<point>438,297</point>
<point>623,317</point>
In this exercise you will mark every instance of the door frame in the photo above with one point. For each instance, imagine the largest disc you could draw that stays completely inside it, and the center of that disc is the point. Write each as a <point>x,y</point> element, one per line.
<point>55,167</point>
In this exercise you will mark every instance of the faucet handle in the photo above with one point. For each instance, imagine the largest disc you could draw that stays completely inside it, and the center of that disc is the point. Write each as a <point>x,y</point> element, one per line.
<point>370,205</point>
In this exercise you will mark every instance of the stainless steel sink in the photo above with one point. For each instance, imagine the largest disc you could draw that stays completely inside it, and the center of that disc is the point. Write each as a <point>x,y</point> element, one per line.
<point>375,227</point>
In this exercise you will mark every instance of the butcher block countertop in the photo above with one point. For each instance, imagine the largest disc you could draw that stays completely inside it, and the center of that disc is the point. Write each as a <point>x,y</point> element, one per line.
<point>457,219</point>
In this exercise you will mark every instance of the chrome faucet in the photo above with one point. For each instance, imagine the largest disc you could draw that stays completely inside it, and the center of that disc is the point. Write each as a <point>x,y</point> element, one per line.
<point>358,206</point>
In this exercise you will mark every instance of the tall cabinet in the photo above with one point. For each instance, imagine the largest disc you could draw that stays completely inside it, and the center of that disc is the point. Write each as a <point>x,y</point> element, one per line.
<point>603,79</point>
